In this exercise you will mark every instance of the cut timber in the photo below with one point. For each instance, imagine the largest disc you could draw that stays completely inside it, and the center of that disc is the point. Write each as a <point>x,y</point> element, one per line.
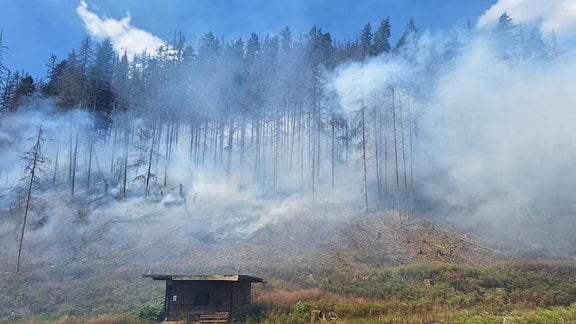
<point>479,245</point>
<point>213,318</point>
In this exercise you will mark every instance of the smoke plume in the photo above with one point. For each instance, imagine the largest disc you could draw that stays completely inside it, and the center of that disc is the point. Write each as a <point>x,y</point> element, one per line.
<point>558,16</point>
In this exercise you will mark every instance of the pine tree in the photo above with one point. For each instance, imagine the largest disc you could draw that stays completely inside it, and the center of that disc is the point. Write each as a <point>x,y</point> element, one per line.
<point>55,74</point>
<point>382,38</point>
<point>121,84</point>
<point>70,88</point>
<point>408,36</point>
<point>84,64</point>
<point>366,42</point>
<point>252,48</point>
<point>285,39</point>
<point>507,38</point>
<point>101,76</point>
<point>18,90</point>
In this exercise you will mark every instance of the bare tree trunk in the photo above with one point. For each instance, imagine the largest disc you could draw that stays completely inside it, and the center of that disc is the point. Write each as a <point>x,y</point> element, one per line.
<point>262,157</point>
<point>125,166</point>
<point>204,142</point>
<point>150,157</point>
<point>333,153</point>
<point>312,157</point>
<point>277,144</point>
<point>219,153</point>
<point>56,164</point>
<point>169,139</point>
<point>377,148</point>
<point>294,131</point>
<point>228,147</point>
<point>36,159</point>
<point>404,166</point>
<point>191,152</point>
<point>70,154</point>
<point>364,162</point>
<point>397,171</point>
<point>364,157</point>
<point>90,153</point>
<point>113,152</point>
<point>411,185</point>
<point>74,165</point>
<point>386,156</point>
<point>301,144</point>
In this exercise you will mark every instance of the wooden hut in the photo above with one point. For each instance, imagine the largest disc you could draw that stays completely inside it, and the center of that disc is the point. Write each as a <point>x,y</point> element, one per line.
<point>206,298</point>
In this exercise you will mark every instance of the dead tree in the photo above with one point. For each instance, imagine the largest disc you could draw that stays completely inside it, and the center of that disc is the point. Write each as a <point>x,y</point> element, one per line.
<point>395,139</point>
<point>35,160</point>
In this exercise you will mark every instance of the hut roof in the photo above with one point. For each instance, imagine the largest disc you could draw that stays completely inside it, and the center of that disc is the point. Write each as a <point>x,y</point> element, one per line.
<point>203,277</point>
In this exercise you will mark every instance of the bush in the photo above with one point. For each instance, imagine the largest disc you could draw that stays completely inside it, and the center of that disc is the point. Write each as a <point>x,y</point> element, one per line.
<point>151,312</point>
<point>303,307</point>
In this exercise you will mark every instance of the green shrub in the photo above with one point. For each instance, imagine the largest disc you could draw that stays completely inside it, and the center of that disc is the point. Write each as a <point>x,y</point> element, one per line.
<point>303,307</point>
<point>151,312</point>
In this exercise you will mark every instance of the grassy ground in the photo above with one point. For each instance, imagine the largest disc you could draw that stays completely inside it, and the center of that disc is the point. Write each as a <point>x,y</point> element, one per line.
<point>535,291</point>
<point>518,291</point>
<point>367,271</point>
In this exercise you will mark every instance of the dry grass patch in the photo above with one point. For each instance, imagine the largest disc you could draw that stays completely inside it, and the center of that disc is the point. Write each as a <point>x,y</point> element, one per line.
<point>285,300</point>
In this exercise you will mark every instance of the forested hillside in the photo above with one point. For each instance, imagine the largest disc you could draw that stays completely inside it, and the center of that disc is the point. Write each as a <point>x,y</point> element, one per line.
<point>252,132</point>
<point>301,158</point>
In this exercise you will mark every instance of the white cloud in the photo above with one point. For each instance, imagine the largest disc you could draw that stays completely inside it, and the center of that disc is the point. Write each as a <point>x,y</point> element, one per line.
<point>123,36</point>
<point>558,16</point>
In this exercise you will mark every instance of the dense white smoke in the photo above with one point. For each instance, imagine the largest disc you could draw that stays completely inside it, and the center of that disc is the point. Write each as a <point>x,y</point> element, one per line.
<point>503,136</point>
<point>495,149</point>
<point>558,16</point>
<point>486,142</point>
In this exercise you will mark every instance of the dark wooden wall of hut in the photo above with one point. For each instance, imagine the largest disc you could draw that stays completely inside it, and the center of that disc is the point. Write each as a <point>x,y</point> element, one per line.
<point>187,300</point>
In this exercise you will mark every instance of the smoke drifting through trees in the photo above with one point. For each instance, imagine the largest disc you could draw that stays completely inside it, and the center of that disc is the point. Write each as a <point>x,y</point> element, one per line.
<point>273,124</point>
<point>506,147</point>
<point>34,160</point>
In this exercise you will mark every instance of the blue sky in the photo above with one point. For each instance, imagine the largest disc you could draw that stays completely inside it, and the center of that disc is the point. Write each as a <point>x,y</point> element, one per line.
<point>34,29</point>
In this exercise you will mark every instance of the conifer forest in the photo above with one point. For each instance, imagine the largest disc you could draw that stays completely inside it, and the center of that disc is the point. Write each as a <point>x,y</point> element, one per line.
<point>275,121</point>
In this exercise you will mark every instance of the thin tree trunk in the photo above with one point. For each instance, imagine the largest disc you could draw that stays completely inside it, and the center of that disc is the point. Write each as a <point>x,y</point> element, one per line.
<point>277,128</point>
<point>229,147</point>
<point>204,142</point>
<point>74,165</point>
<point>364,162</point>
<point>242,140</point>
<point>56,164</point>
<point>150,156</point>
<point>411,210</point>
<point>333,153</point>
<point>125,173</point>
<point>90,152</point>
<point>35,161</point>
<point>377,148</point>
<point>397,171</point>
